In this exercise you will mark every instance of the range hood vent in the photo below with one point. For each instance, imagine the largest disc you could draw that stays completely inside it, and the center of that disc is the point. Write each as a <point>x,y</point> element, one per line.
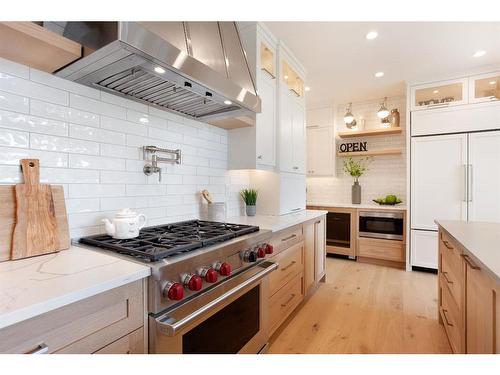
<point>195,69</point>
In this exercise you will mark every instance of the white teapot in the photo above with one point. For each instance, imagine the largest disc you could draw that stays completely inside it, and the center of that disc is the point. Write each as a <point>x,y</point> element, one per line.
<point>126,224</point>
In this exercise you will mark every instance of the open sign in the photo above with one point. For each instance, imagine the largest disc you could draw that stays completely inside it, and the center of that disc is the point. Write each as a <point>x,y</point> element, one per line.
<point>353,146</point>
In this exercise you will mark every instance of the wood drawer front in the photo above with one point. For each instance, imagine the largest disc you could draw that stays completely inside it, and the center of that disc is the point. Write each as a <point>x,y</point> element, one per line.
<point>81,327</point>
<point>290,263</point>
<point>452,280</point>
<point>451,316</point>
<point>382,249</point>
<point>287,238</point>
<point>284,302</point>
<point>133,343</point>
<point>451,253</point>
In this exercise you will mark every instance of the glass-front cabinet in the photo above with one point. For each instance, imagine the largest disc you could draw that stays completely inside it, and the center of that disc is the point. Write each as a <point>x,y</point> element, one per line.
<point>292,79</point>
<point>439,94</point>
<point>267,60</point>
<point>484,87</point>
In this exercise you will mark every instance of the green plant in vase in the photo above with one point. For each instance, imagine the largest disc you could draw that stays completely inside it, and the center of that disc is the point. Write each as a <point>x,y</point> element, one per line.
<point>356,168</point>
<point>250,198</point>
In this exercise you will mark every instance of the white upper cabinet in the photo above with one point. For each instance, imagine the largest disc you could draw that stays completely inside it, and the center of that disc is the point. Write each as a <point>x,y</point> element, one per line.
<point>484,87</point>
<point>319,117</point>
<point>439,94</point>
<point>320,142</point>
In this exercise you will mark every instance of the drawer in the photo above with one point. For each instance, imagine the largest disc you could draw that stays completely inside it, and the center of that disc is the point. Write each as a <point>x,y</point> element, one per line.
<point>451,253</point>
<point>382,249</point>
<point>290,263</point>
<point>133,343</point>
<point>286,238</point>
<point>282,304</point>
<point>451,316</point>
<point>452,280</point>
<point>81,327</point>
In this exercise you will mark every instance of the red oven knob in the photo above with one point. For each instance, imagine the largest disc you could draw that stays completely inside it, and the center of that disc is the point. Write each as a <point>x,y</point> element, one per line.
<point>209,274</point>
<point>269,248</point>
<point>224,269</point>
<point>193,282</point>
<point>261,252</point>
<point>173,291</point>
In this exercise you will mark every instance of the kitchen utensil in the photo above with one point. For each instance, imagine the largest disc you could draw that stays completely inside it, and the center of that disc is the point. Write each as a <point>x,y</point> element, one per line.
<point>126,224</point>
<point>217,211</point>
<point>33,220</point>
<point>205,194</point>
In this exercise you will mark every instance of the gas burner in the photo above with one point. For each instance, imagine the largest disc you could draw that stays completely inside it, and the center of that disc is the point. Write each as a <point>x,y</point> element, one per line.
<point>162,241</point>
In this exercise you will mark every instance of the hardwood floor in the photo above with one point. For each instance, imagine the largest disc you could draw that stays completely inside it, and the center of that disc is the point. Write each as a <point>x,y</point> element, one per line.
<point>364,308</point>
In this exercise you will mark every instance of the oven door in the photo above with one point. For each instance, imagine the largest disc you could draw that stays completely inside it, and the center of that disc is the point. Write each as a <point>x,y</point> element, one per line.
<point>384,225</point>
<point>231,318</point>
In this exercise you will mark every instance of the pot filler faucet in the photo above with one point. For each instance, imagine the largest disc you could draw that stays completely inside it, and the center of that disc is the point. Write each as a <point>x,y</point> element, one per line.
<point>149,169</point>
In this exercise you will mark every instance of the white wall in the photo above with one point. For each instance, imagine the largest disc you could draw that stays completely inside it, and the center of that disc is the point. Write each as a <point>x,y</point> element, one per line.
<point>89,141</point>
<point>386,174</point>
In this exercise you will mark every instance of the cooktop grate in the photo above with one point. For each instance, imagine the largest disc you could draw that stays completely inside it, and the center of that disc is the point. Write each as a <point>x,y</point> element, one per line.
<point>162,241</point>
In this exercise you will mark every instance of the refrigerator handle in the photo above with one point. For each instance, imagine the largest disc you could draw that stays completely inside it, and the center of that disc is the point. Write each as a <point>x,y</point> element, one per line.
<point>469,180</point>
<point>464,174</point>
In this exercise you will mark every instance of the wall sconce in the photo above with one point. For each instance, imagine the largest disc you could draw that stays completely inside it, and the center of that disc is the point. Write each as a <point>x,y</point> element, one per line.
<point>349,120</point>
<point>383,112</point>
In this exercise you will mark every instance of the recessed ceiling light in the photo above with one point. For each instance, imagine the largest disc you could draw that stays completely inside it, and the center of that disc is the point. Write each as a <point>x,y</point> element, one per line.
<point>159,69</point>
<point>493,82</point>
<point>379,74</point>
<point>285,77</point>
<point>307,88</point>
<point>144,120</point>
<point>228,102</point>
<point>479,53</point>
<point>371,35</point>
<point>435,91</point>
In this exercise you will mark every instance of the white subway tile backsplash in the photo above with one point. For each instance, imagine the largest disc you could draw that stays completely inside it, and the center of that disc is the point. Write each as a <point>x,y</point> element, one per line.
<point>51,143</point>
<point>13,138</point>
<point>96,106</point>
<point>48,110</point>
<point>24,87</point>
<point>91,141</point>
<point>14,102</point>
<point>33,124</point>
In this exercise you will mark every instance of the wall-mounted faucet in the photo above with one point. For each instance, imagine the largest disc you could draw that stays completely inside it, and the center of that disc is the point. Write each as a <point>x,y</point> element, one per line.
<point>149,169</point>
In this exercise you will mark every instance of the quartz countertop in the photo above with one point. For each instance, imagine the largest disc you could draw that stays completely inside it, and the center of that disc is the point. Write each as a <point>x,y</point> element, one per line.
<point>277,223</point>
<point>350,205</point>
<point>33,286</point>
<point>481,239</point>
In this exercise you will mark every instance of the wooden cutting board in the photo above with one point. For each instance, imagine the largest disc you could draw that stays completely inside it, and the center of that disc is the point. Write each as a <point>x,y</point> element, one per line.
<point>33,217</point>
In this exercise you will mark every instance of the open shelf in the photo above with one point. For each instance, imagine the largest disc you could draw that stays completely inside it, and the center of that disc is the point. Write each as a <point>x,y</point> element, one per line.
<point>389,151</point>
<point>369,132</point>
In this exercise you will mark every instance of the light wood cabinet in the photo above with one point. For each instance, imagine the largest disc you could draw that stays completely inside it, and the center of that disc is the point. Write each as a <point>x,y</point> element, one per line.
<point>315,253</point>
<point>82,327</point>
<point>133,343</point>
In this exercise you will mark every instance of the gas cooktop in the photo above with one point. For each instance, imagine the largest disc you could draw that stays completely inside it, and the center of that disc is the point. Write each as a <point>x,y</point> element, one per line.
<point>162,241</point>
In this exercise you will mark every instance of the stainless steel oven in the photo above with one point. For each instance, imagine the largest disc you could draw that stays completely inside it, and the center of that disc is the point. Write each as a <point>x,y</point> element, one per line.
<point>230,318</point>
<point>380,224</point>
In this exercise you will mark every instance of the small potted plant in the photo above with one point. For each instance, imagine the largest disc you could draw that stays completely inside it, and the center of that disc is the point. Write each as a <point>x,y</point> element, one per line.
<point>250,198</point>
<point>356,168</point>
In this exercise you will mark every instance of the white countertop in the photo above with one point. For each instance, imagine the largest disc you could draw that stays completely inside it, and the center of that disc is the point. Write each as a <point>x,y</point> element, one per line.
<point>481,239</point>
<point>33,286</point>
<point>351,205</point>
<point>277,223</point>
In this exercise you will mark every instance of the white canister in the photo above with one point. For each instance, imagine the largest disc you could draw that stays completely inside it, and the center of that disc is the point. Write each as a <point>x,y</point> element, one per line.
<point>217,211</point>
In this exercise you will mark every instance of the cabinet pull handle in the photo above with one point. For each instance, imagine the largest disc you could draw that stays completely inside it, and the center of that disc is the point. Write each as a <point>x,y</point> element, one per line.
<point>470,262</point>
<point>438,105</point>
<point>292,296</point>
<point>40,349</point>
<point>269,73</point>
<point>287,267</point>
<point>464,173</point>
<point>296,209</point>
<point>469,179</point>
<point>288,238</point>
<point>447,245</point>
<point>295,167</point>
<point>445,275</point>
<point>446,318</point>
<point>259,157</point>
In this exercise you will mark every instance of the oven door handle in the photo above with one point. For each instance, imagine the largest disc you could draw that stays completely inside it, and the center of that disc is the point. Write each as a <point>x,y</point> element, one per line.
<point>172,328</point>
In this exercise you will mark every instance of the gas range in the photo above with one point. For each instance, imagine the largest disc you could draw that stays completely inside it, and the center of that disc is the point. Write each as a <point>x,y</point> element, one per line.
<point>189,258</point>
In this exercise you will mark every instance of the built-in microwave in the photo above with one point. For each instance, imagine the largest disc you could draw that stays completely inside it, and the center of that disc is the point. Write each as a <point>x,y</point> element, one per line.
<point>379,224</point>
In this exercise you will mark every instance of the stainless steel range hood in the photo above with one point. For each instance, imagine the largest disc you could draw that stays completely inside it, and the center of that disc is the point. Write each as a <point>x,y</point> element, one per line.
<point>195,69</point>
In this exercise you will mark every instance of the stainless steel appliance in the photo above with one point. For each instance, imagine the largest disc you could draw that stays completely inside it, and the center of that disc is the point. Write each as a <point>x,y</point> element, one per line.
<point>208,285</point>
<point>195,69</point>
<point>381,224</point>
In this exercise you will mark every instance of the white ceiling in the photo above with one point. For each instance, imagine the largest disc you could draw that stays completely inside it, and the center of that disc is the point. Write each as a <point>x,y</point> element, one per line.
<point>341,62</point>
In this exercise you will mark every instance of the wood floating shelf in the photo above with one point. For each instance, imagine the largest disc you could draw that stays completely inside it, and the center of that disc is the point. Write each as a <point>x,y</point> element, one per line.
<point>370,132</point>
<point>389,151</point>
